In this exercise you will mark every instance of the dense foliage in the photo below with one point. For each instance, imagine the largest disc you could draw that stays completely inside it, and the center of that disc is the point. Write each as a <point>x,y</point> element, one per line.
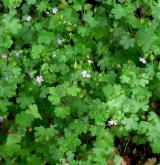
<point>79,81</point>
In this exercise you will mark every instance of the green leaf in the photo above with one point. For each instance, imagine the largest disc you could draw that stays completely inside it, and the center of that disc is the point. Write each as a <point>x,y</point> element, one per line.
<point>62,112</point>
<point>26,35</point>
<point>12,150</point>
<point>118,11</point>
<point>155,88</point>
<point>152,133</point>
<point>155,11</point>
<point>25,101</point>
<point>105,62</point>
<point>13,139</point>
<point>55,100</point>
<point>33,110</point>
<point>143,127</point>
<point>12,25</point>
<point>46,37</point>
<point>127,42</point>
<point>78,4</point>
<point>84,31</point>
<point>131,123</point>
<point>31,2</point>
<point>117,102</point>
<point>34,160</point>
<point>44,134</point>
<point>125,79</point>
<point>158,75</point>
<point>6,42</point>
<point>37,51</point>
<point>4,106</point>
<point>15,3</point>
<point>44,92</point>
<point>42,5</point>
<point>155,146</point>
<point>73,90</point>
<point>88,17</point>
<point>56,94</point>
<point>145,38</point>
<point>134,106</point>
<point>24,120</point>
<point>108,91</point>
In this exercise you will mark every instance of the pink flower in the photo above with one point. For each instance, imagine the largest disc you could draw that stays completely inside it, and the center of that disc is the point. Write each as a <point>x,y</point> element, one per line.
<point>142,60</point>
<point>59,41</point>
<point>85,74</point>
<point>112,122</point>
<point>4,56</point>
<point>29,18</point>
<point>1,119</point>
<point>30,74</point>
<point>54,10</point>
<point>39,79</point>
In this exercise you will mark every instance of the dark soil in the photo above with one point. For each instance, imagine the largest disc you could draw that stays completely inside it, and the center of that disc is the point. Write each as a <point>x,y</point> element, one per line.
<point>135,154</point>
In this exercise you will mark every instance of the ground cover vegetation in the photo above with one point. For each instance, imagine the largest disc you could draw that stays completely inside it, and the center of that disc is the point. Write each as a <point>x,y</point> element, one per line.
<point>79,82</point>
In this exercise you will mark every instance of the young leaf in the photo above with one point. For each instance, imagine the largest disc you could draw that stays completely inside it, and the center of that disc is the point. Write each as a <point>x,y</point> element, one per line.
<point>55,95</point>
<point>62,112</point>
<point>127,42</point>
<point>24,120</point>
<point>108,91</point>
<point>37,51</point>
<point>33,110</point>
<point>73,90</point>
<point>25,101</point>
<point>131,123</point>
<point>118,11</point>
<point>143,39</point>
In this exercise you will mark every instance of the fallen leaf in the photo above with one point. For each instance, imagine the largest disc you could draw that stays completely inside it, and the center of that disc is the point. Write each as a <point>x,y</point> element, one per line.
<point>151,161</point>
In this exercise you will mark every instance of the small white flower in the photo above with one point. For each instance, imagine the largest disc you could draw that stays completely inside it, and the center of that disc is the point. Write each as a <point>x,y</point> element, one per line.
<point>142,60</point>
<point>90,62</point>
<point>29,18</point>
<point>4,56</point>
<point>112,122</point>
<point>39,79</point>
<point>59,41</point>
<point>85,74</point>
<point>54,10</point>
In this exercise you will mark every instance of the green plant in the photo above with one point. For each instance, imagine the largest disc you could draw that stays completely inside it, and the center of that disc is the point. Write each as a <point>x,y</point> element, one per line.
<point>76,75</point>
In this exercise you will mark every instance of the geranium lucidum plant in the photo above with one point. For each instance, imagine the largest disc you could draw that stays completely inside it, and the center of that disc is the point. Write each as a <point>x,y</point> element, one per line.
<point>75,76</point>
